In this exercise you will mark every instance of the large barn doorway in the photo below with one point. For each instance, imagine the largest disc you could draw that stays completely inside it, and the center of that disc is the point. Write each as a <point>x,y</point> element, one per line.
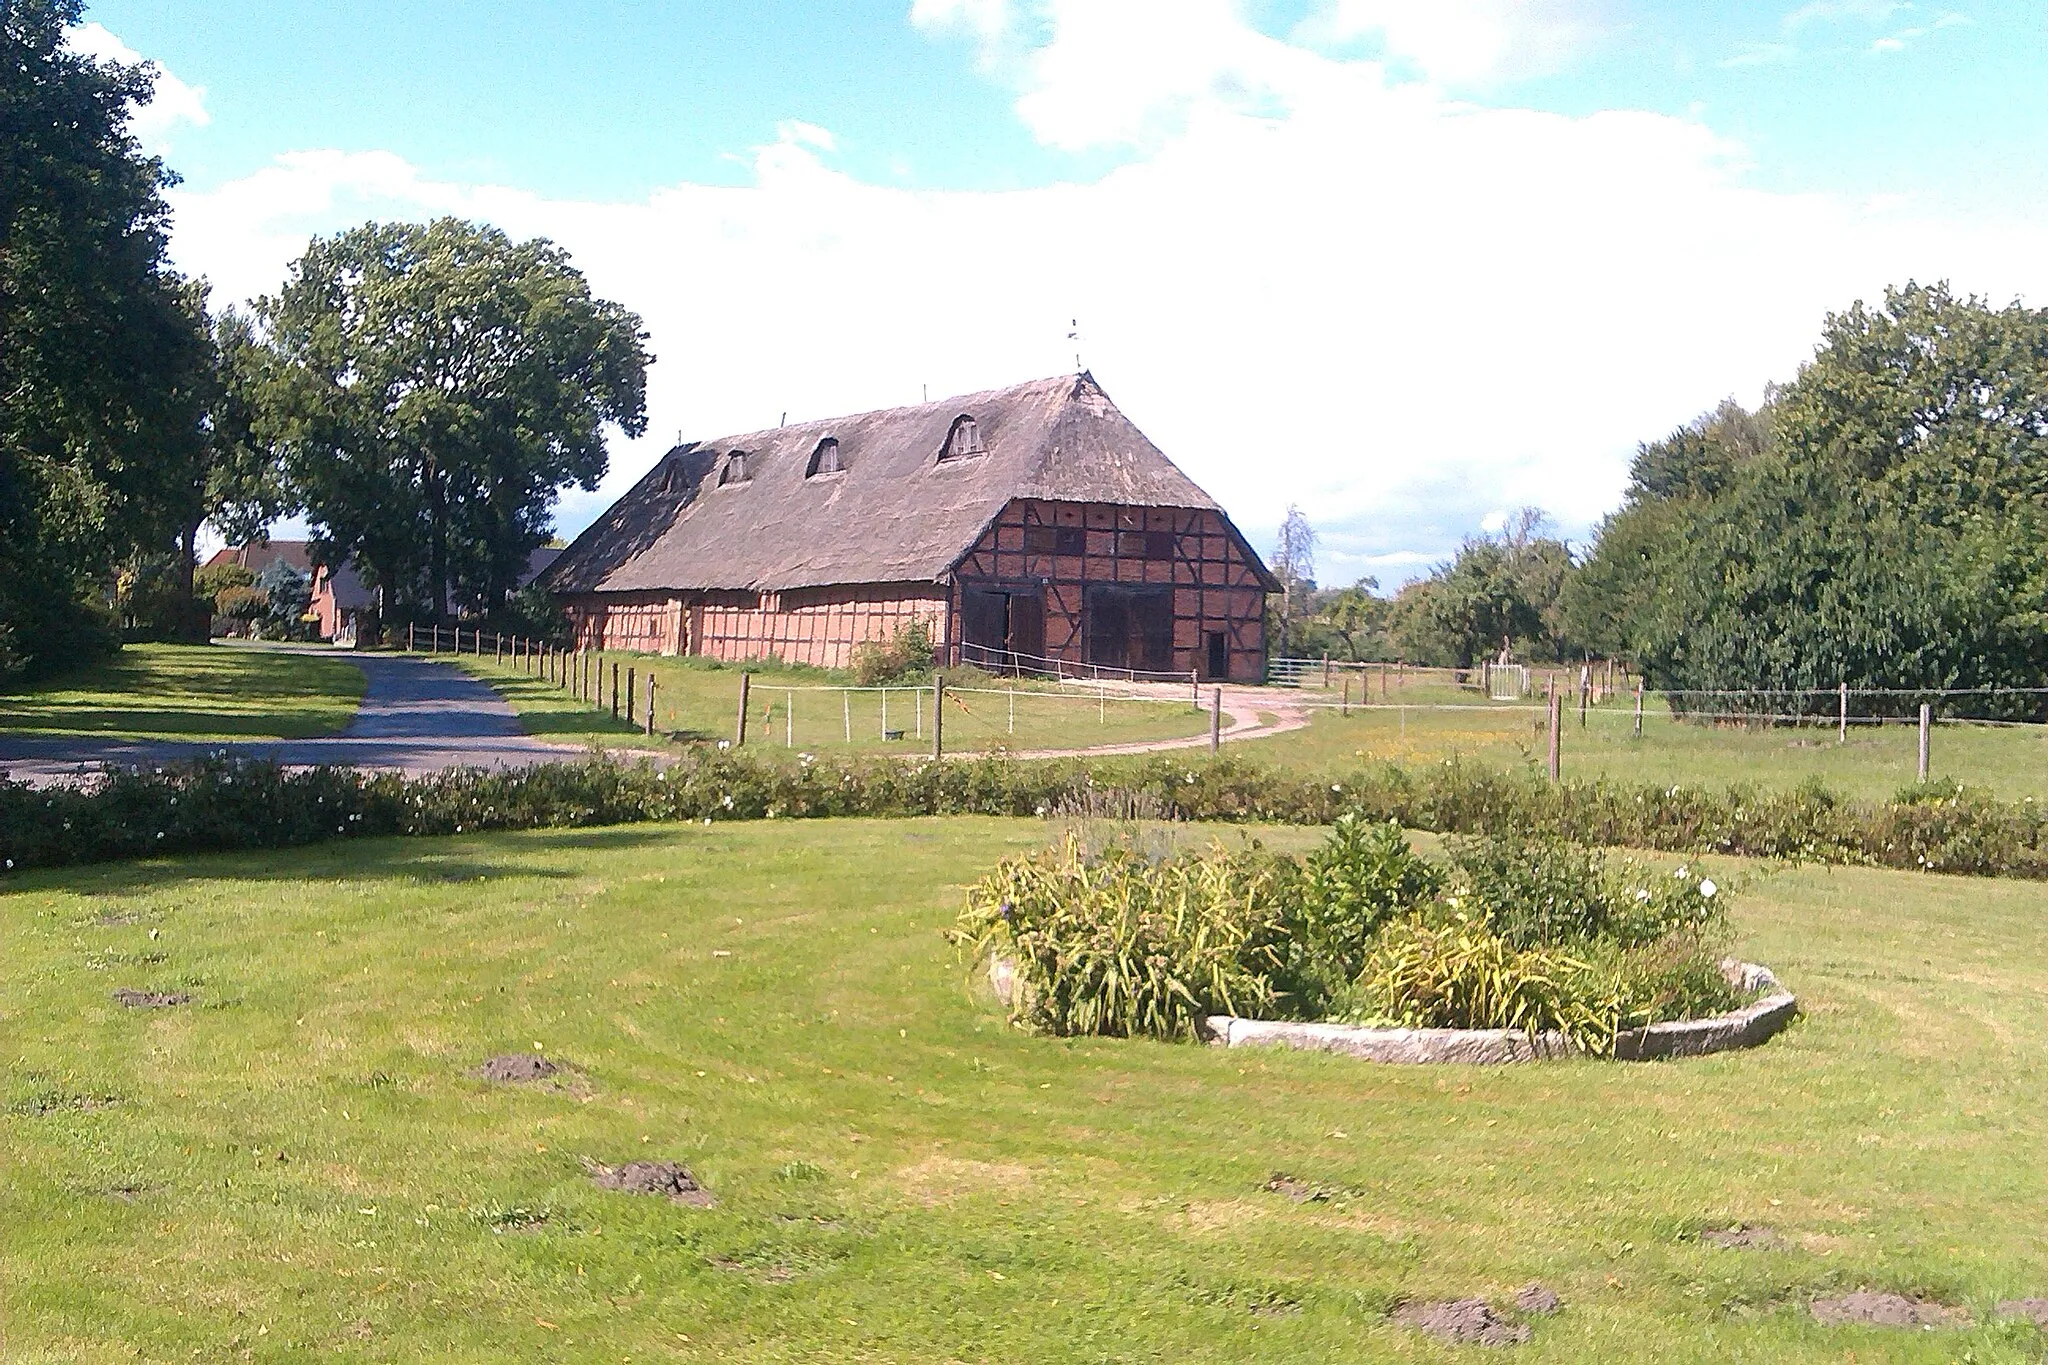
<point>1129,627</point>
<point>1002,630</point>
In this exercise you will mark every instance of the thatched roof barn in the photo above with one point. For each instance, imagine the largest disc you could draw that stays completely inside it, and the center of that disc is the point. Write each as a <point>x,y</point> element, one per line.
<point>1031,526</point>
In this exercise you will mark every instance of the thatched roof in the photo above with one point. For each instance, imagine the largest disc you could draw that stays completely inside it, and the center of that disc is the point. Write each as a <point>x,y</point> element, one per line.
<point>898,513</point>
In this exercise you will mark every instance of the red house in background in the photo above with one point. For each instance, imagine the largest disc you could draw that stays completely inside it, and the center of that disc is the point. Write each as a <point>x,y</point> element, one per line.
<point>340,598</point>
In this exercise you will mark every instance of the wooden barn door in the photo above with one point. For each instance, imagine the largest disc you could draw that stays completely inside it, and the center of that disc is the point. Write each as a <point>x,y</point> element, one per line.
<point>1002,630</point>
<point>1130,627</point>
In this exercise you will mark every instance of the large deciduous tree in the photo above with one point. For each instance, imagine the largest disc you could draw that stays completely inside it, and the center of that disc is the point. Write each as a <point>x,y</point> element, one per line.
<point>1880,523</point>
<point>434,387</point>
<point>95,341</point>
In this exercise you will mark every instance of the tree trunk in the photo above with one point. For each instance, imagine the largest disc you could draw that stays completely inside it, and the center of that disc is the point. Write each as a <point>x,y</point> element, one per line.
<point>437,543</point>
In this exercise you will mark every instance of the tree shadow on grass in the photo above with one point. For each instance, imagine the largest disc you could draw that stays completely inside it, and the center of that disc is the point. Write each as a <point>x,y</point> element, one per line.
<point>427,859</point>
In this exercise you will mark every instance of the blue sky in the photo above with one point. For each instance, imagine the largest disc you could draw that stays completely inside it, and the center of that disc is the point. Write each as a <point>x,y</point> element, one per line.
<point>1506,239</point>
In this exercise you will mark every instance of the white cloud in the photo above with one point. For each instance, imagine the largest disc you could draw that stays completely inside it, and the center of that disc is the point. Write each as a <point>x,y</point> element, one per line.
<point>1470,42</point>
<point>1827,15</point>
<point>175,102</point>
<point>1400,311</point>
<point>988,21</point>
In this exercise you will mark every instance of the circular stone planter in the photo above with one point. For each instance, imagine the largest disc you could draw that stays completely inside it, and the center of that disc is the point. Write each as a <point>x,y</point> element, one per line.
<point>1746,1027</point>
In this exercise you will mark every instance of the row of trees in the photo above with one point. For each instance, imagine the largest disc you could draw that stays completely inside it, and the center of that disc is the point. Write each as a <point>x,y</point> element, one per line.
<point>1878,521</point>
<point>418,393</point>
<point>1505,591</point>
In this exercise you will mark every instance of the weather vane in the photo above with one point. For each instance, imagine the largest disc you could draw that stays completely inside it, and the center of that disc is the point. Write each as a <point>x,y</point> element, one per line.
<point>1074,335</point>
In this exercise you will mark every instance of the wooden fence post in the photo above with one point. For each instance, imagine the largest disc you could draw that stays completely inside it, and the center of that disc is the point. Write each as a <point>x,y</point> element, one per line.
<point>1556,734</point>
<point>1326,673</point>
<point>1216,720</point>
<point>746,685</point>
<point>650,703</point>
<point>1842,715</point>
<point>939,716</point>
<point>615,689</point>
<point>1639,708</point>
<point>1347,697</point>
<point>632,687</point>
<point>1926,722</point>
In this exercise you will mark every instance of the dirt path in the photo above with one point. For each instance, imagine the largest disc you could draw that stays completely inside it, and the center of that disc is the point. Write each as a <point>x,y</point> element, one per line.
<point>1242,707</point>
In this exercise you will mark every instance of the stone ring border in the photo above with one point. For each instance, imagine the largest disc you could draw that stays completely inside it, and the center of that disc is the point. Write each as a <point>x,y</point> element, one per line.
<point>1746,1027</point>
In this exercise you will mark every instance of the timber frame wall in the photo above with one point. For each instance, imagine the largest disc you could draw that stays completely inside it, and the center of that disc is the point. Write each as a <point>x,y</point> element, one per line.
<point>1216,586</point>
<point>816,626</point>
<point>1054,550</point>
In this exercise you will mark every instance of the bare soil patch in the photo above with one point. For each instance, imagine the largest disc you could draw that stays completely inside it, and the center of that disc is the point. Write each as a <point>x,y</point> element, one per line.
<point>2033,1310</point>
<point>1887,1310</point>
<point>1306,1191</point>
<point>664,1178</point>
<point>1538,1301</point>
<point>113,918</point>
<point>1743,1237</point>
<point>516,1068</point>
<point>1463,1322</point>
<point>150,1000</point>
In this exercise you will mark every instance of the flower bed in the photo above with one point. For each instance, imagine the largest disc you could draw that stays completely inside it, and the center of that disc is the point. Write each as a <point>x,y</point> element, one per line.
<point>1508,949</point>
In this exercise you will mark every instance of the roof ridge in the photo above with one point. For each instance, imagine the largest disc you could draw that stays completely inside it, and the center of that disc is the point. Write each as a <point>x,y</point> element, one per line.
<point>980,396</point>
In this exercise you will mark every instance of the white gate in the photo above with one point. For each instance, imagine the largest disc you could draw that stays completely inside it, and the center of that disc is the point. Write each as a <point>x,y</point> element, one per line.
<point>1507,682</point>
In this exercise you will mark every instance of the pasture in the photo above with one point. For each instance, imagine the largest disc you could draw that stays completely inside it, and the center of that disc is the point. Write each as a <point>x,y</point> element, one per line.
<point>1439,723</point>
<point>298,1163</point>
<point>807,709</point>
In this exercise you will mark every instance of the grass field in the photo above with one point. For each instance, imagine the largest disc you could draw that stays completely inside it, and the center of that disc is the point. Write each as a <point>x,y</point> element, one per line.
<point>700,700</point>
<point>1876,761</point>
<point>197,692</point>
<point>296,1166</point>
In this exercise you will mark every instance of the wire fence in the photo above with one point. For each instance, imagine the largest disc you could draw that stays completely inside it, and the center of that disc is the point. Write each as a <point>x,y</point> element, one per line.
<point>673,698</point>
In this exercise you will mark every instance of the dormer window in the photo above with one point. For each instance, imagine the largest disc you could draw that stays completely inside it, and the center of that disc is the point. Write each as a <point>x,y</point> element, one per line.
<point>735,469</point>
<point>963,440</point>
<point>825,459</point>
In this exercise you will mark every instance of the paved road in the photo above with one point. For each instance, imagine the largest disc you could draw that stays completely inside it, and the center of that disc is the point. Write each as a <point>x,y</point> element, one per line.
<point>417,716</point>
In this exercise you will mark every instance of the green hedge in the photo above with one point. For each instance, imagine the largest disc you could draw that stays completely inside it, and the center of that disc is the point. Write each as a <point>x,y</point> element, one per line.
<point>222,804</point>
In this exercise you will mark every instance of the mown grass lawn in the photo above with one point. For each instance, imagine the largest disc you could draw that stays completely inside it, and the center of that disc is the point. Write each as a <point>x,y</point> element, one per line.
<point>811,710</point>
<point>1876,762</point>
<point>296,1166</point>
<point>195,692</point>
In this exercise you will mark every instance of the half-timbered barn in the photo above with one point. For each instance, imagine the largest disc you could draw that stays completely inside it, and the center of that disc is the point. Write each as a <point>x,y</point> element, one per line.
<point>1027,528</point>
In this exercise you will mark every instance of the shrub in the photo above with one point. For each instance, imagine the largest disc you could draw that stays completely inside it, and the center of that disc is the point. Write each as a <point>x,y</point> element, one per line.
<point>1530,890</point>
<point>1118,946</point>
<point>1956,832</point>
<point>1461,974</point>
<point>903,656</point>
<point>1361,877</point>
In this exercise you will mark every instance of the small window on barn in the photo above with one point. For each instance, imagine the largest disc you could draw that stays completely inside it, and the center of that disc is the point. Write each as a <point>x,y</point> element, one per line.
<point>735,469</point>
<point>826,459</point>
<point>963,440</point>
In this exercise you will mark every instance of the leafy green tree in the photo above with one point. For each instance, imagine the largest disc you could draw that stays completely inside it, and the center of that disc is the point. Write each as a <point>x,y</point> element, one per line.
<point>1880,523</point>
<point>93,337</point>
<point>432,388</point>
<point>1351,623</point>
<point>287,597</point>
<point>1500,592</point>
